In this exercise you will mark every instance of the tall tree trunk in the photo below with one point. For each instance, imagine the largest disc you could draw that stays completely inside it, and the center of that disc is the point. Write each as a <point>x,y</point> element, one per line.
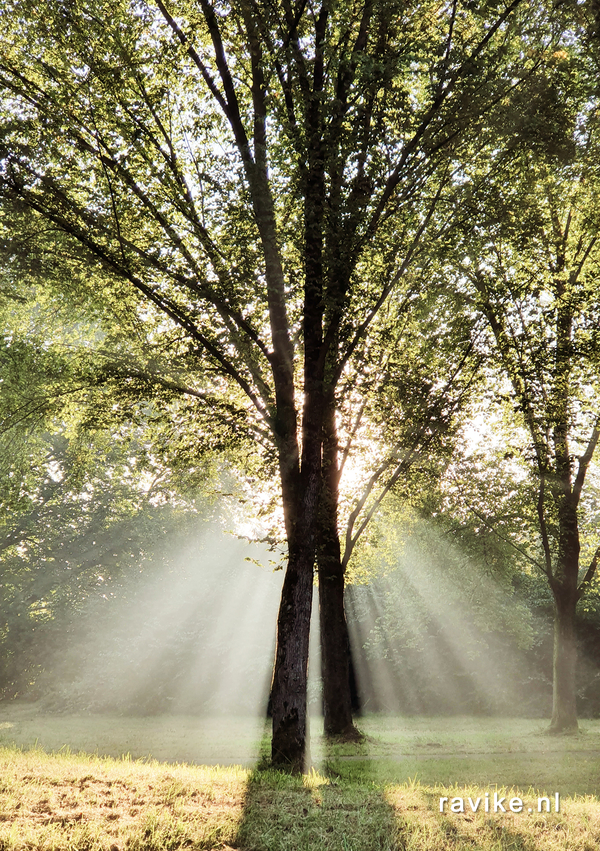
<point>564,710</point>
<point>566,498</point>
<point>566,594</point>
<point>289,692</point>
<point>289,689</point>
<point>335,641</point>
<point>290,676</point>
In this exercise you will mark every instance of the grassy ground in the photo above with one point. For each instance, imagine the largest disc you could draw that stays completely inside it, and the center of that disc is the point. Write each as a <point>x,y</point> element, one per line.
<point>483,751</point>
<point>169,738</point>
<point>383,794</point>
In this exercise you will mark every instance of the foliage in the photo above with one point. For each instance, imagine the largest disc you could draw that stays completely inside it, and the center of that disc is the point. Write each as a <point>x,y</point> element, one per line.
<point>89,519</point>
<point>86,488</point>
<point>530,266</point>
<point>261,216</point>
<point>109,134</point>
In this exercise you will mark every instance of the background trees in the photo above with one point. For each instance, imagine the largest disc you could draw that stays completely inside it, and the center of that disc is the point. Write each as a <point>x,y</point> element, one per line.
<point>531,261</point>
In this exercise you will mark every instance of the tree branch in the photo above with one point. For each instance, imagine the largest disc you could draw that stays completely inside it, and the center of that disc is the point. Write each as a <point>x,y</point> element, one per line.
<point>584,462</point>
<point>590,573</point>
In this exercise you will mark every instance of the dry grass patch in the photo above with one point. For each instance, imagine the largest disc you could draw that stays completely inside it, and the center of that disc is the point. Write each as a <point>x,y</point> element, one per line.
<point>83,803</point>
<point>63,802</point>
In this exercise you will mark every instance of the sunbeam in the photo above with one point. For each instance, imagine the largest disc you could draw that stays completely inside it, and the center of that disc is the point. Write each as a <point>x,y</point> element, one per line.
<point>435,633</point>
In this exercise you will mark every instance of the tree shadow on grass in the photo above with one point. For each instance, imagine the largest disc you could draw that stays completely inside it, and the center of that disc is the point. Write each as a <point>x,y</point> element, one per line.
<point>348,806</point>
<point>287,813</point>
<point>319,811</point>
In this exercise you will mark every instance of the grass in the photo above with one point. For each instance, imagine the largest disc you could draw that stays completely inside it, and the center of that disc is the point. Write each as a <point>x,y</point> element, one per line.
<point>169,738</point>
<point>86,803</point>
<point>464,751</point>
<point>379,795</point>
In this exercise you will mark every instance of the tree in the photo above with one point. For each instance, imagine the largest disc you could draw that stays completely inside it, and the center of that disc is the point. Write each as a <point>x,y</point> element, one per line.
<point>532,265</point>
<point>255,179</point>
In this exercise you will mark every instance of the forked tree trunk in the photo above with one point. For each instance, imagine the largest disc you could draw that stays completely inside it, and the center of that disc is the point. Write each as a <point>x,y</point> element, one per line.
<point>564,709</point>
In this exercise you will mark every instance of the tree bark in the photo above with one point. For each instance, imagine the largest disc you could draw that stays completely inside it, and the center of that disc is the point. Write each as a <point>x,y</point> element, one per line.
<point>564,585</point>
<point>564,709</point>
<point>290,676</point>
<point>335,641</point>
<point>288,693</point>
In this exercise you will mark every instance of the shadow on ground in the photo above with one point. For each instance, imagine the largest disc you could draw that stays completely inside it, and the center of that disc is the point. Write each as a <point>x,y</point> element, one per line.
<point>285,813</point>
<point>350,806</point>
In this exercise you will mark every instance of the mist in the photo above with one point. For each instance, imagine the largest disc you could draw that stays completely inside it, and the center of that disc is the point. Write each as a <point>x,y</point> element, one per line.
<point>434,631</point>
<point>191,634</point>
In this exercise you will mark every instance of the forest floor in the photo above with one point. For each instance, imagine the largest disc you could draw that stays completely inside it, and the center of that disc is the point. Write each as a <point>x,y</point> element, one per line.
<point>137,785</point>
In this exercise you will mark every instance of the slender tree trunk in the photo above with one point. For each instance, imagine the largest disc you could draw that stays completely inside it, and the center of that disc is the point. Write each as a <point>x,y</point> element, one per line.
<point>564,710</point>
<point>288,693</point>
<point>290,676</point>
<point>566,498</point>
<point>335,641</point>
<point>565,590</point>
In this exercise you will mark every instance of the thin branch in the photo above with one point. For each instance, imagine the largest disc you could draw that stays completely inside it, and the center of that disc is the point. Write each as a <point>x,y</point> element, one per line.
<point>403,466</point>
<point>590,573</point>
<point>350,541</point>
<point>351,436</point>
<point>194,56</point>
<point>506,540</point>
<point>584,462</point>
